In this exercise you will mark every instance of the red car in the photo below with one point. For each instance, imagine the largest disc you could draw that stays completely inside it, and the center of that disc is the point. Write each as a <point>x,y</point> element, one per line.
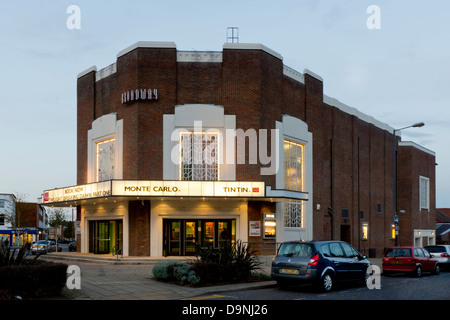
<point>409,259</point>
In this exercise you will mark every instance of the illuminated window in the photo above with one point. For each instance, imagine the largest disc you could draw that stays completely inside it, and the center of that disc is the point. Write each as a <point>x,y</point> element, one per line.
<point>365,231</point>
<point>199,156</point>
<point>270,226</point>
<point>424,187</point>
<point>293,166</point>
<point>105,159</point>
<point>293,180</point>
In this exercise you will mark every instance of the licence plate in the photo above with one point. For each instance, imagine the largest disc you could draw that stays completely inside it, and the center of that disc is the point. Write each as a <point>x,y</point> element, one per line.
<point>290,271</point>
<point>397,261</point>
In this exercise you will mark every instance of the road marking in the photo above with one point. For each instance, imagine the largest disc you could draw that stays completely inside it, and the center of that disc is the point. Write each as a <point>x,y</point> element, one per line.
<point>214,296</point>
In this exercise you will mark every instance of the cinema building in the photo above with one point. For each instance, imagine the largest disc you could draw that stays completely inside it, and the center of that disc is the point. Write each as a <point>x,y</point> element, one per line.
<point>179,150</point>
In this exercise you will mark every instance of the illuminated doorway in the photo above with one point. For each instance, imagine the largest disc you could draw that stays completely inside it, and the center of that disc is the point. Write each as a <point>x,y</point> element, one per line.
<point>105,236</point>
<point>184,237</point>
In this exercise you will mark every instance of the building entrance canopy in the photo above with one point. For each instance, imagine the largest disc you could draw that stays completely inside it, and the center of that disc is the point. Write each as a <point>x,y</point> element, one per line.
<point>81,194</point>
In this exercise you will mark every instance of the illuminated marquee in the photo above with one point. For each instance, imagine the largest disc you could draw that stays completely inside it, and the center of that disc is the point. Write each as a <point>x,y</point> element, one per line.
<point>188,188</point>
<point>156,189</point>
<point>87,191</point>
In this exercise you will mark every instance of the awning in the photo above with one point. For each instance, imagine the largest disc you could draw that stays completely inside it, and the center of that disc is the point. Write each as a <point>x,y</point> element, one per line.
<point>164,189</point>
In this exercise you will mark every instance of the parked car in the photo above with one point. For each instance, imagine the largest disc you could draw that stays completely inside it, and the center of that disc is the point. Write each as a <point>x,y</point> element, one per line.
<point>73,246</point>
<point>440,252</point>
<point>413,260</point>
<point>320,263</point>
<point>43,247</point>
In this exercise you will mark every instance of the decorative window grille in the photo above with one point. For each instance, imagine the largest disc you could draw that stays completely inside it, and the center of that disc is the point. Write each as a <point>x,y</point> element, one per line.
<point>199,156</point>
<point>293,215</point>
<point>105,159</point>
<point>293,180</point>
<point>424,186</point>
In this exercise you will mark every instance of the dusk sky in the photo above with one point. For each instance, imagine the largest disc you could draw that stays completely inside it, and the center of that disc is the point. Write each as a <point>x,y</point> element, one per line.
<point>399,73</point>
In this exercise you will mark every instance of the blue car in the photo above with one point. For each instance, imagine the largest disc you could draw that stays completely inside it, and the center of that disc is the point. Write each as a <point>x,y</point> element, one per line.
<point>321,263</point>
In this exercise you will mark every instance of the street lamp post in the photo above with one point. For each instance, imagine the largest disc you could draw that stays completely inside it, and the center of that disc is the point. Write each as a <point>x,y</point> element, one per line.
<point>415,125</point>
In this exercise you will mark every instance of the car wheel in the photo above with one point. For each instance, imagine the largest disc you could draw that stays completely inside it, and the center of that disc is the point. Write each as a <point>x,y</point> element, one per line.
<point>437,269</point>
<point>326,284</point>
<point>418,272</point>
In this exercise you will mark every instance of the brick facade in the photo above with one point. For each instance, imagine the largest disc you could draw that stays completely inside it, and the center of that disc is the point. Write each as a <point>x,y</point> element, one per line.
<point>352,158</point>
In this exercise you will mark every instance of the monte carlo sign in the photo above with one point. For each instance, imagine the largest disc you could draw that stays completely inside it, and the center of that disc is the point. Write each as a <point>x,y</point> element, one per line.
<point>141,188</point>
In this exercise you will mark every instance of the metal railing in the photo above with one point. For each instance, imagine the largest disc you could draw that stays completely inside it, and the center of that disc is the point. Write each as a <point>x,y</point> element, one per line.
<point>264,248</point>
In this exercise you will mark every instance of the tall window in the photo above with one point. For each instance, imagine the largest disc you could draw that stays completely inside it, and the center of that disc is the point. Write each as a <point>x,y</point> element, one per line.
<point>199,156</point>
<point>293,180</point>
<point>424,186</point>
<point>293,165</point>
<point>105,159</point>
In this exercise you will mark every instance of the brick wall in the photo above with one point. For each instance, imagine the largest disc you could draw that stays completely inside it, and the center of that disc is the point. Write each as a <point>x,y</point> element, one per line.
<point>413,163</point>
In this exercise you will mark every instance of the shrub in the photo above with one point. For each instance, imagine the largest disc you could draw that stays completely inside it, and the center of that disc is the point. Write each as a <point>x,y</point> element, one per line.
<point>32,279</point>
<point>229,263</point>
<point>175,271</point>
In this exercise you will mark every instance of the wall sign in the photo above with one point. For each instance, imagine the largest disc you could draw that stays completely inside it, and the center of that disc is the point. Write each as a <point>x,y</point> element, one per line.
<point>139,94</point>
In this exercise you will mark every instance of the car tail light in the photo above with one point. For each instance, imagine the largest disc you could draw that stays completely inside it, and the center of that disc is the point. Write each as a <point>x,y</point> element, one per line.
<point>313,260</point>
<point>445,255</point>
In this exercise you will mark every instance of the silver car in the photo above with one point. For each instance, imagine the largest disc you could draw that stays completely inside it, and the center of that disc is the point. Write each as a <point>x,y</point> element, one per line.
<point>441,252</point>
<point>43,247</point>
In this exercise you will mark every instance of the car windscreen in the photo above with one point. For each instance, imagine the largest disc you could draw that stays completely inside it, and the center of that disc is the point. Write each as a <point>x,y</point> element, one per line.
<point>41,242</point>
<point>296,250</point>
<point>398,252</point>
<point>435,249</point>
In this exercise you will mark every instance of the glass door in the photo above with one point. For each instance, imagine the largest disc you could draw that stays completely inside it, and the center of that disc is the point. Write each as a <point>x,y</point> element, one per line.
<point>103,235</point>
<point>172,237</point>
<point>190,238</point>
<point>208,233</point>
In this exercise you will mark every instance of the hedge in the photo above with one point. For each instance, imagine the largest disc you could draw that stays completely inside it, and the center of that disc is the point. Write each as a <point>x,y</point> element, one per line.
<point>32,279</point>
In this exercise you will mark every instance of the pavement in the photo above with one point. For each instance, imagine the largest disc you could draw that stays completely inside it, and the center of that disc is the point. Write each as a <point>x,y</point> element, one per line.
<point>104,277</point>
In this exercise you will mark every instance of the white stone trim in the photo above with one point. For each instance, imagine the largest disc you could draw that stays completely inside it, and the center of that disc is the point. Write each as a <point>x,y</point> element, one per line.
<point>85,72</point>
<point>212,118</point>
<point>294,74</point>
<point>312,74</point>
<point>199,56</point>
<point>147,44</point>
<point>105,72</point>
<point>417,146</point>
<point>296,130</point>
<point>355,112</point>
<point>252,46</point>
<point>103,128</point>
